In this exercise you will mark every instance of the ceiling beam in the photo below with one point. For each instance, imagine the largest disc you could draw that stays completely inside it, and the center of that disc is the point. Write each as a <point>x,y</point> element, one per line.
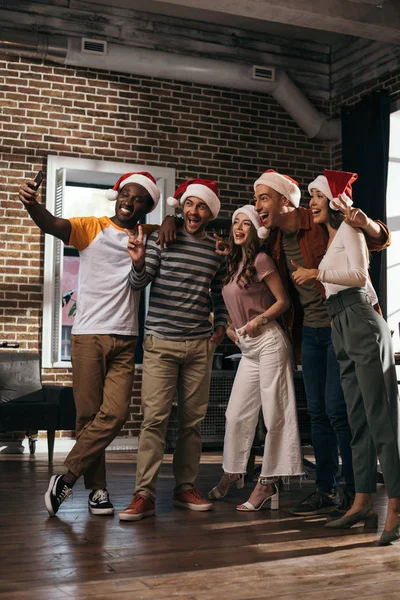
<point>338,16</point>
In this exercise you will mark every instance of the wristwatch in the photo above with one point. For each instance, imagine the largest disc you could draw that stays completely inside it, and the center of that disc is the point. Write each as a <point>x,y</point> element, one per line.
<point>264,320</point>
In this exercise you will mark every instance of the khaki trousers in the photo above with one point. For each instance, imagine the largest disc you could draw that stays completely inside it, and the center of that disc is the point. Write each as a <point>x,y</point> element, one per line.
<point>170,366</point>
<point>102,373</point>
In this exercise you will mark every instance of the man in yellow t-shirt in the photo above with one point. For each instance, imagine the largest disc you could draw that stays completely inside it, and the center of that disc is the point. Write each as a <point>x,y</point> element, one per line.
<point>105,330</point>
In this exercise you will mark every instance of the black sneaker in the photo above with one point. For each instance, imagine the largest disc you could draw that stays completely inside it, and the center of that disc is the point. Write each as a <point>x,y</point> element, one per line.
<point>57,492</point>
<point>99,503</point>
<point>345,504</point>
<point>317,503</point>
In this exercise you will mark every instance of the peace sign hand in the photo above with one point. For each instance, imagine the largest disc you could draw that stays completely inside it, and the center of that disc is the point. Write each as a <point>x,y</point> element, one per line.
<point>354,216</point>
<point>136,248</point>
<point>221,245</point>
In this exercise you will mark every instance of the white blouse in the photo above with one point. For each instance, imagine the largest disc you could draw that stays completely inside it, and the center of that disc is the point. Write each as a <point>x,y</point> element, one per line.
<point>345,263</point>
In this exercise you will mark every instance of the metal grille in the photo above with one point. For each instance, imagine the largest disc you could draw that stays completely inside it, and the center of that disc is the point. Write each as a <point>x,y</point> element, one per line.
<point>302,412</point>
<point>213,426</point>
<point>90,46</point>
<point>58,250</point>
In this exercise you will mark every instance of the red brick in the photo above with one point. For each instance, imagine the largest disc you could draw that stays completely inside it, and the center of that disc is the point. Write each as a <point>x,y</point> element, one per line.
<point>198,130</point>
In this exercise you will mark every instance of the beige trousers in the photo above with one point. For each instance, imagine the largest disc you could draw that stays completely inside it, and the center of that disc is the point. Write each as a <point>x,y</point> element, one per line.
<point>102,373</point>
<point>170,366</point>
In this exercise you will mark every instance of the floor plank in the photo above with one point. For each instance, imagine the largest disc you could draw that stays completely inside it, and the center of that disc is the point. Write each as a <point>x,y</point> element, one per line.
<point>179,554</point>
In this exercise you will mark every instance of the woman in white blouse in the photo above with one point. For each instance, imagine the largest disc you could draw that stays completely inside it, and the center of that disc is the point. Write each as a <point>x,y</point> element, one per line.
<point>362,344</point>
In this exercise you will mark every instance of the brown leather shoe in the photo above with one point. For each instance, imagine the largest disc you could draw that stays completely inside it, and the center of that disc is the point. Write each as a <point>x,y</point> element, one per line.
<point>140,507</point>
<point>193,500</point>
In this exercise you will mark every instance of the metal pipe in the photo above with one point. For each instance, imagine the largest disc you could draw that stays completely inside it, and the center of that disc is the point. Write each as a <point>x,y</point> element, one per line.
<point>165,65</point>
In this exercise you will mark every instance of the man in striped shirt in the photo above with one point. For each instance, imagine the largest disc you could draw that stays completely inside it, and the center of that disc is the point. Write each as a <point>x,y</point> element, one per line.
<point>179,345</point>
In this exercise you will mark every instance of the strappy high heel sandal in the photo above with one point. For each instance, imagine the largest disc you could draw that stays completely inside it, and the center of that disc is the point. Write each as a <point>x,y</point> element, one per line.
<point>215,494</point>
<point>273,498</point>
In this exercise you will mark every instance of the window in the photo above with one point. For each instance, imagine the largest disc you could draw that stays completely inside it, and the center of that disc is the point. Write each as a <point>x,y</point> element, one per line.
<point>75,188</point>
<point>393,218</point>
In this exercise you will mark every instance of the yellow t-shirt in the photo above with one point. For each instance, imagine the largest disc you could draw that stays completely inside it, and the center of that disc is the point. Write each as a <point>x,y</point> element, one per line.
<point>106,303</point>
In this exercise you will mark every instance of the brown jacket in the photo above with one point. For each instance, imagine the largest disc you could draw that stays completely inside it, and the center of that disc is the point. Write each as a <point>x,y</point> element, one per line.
<point>312,239</point>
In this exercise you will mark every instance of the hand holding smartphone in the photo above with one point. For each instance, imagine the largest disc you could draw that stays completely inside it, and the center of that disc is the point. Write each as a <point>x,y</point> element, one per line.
<point>38,180</point>
<point>27,191</point>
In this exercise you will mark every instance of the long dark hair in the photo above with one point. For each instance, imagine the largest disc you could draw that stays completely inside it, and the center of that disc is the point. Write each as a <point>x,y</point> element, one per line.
<point>235,258</point>
<point>336,218</point>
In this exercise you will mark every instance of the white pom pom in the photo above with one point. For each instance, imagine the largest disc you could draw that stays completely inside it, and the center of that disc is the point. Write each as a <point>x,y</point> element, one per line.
<point>171,201</point>
<point>111,194</point>
<point>263,233</point>
<point>348,201</point>
<point>332,206</point>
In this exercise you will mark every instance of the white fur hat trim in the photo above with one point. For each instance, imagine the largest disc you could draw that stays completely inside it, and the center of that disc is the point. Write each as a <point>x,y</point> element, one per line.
<point>263,233</point>
<point>281,184</point>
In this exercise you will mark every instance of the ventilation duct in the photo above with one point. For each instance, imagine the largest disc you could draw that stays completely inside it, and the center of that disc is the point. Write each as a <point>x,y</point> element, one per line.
<point>89,46</point>
<point>263,73</point>
<point>165,65</point>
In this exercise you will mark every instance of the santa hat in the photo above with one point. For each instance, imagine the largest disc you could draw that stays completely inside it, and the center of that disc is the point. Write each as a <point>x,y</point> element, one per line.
<point>254,217</point>
<point>141,178</point>
<point>335,183</point>
<point>204,189</point>
<point>283,184</point>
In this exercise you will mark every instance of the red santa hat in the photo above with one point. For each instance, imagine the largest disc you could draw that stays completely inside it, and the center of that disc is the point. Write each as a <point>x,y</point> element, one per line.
<point>204,189</point>
<point>250,212</point>
<point>141,178</point>
<point>335,183</point>
<point>283,184</point>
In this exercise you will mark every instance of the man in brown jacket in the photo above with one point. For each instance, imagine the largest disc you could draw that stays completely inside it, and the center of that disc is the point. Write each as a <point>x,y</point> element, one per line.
<point>295,240</point>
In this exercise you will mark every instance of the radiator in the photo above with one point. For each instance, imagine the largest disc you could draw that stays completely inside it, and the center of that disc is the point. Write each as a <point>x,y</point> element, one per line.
<point>213,426</point>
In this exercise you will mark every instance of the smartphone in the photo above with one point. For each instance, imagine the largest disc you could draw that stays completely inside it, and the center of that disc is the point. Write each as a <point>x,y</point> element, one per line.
<point>38,180</point>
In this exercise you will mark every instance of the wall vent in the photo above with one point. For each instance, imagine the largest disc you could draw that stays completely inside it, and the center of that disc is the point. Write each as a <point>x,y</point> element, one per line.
<point>90,46</point>
<point>263,73</point>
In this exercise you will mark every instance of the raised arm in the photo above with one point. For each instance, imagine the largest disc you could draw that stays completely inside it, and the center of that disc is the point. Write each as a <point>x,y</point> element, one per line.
<point>145,259</point>
<point>356,251</point>
<point>60,228</point>
<point>377,234</point>
<point>167,231</point>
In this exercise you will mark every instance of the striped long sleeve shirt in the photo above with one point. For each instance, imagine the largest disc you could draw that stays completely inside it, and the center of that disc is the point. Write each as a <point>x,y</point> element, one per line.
<point>186,283</point>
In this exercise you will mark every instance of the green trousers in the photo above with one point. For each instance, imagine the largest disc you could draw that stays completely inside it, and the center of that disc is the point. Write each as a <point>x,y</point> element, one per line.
<point>363,347</point>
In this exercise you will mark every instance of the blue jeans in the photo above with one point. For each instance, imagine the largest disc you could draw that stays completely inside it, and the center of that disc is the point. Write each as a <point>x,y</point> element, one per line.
<point>327,409</point>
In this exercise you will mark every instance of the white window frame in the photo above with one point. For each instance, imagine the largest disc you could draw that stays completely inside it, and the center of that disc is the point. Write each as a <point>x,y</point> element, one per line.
<point>60,170</point>
<point>393,224</point>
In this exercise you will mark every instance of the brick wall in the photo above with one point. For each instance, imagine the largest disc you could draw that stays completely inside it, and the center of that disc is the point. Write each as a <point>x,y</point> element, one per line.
<point>227,135</point>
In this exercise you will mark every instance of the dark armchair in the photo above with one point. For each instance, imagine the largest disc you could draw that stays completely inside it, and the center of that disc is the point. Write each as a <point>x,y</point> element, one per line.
<point>26,404</point>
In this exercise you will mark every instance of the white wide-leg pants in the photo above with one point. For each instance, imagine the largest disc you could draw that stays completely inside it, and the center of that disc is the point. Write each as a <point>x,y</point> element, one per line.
<point>264,380</point>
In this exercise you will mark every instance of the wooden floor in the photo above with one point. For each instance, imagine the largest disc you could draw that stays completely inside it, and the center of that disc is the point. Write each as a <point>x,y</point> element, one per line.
<point>179,554</point>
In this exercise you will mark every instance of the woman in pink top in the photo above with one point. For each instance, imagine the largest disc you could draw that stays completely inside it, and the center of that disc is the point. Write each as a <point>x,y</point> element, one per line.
<point>255,297</point>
